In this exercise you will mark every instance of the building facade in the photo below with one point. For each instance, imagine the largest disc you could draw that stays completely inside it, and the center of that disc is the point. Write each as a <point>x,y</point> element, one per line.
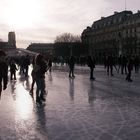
<point>43,48</point>
<point>63,49</point>
<point>66,49</point>
<point>12,39</point>
<point>11,44</point>
<point>117,34</point>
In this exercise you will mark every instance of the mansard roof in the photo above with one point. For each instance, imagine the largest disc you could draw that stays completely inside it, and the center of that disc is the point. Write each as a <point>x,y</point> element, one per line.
<point>116,18</point>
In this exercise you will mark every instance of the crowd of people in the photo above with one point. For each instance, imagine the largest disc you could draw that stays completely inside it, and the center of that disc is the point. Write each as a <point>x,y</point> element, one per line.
<point>40,65</point>
<point>124,64</point>
<point>13,64</point>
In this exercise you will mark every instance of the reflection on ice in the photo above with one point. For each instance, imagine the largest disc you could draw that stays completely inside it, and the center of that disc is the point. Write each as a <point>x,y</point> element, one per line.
<point>71,89</point>
<point>23,103</point>
<point>13,89</point>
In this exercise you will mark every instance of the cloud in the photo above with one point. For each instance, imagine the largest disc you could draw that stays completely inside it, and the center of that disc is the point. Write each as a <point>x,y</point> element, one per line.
<point>55,17</point>
<point>120,5</point>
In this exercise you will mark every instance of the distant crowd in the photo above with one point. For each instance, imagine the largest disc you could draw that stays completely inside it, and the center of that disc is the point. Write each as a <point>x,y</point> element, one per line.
<point>41,64</point>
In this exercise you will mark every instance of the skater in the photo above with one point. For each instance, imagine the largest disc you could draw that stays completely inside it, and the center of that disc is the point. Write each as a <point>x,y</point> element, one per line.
<point>39,77</point>
<point>13,70</point>
<point>91,65</point>
<point>33,77</point>
<point>110,64</point>
<point>50,64</point>
<point>3,72</point>
<point>130,68</point>
<point>71,64</point>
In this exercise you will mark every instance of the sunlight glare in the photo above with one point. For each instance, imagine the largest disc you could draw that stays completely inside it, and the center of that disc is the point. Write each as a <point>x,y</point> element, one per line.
<point>23,13</point>
<point>23,103</point>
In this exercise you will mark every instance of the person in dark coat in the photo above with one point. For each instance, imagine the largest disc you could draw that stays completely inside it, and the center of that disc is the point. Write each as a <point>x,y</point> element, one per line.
<point>136,64</point>
<point>130,68</point>
<point>33,78</point>
<point>119,63</point>
<point>91,65</point>
<point>124,64</point>
<point>50,64</point>
<point>3,72</point>
<point>38,74</point>
<point>110,64</point>
<point>13,70</point>
<point>71,64</point>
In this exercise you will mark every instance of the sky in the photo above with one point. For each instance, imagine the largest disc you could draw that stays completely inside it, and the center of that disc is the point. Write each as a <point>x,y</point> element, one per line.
<point>40,21</point>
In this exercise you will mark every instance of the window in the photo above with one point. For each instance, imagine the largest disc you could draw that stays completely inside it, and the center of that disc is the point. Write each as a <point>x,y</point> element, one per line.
<point>120,19</point>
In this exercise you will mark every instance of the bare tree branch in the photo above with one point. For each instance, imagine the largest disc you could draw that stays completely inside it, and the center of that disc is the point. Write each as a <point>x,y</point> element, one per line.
<point>67,37</point>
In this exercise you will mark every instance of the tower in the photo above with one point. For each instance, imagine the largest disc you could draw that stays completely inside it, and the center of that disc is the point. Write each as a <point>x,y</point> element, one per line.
<point>12,39</point>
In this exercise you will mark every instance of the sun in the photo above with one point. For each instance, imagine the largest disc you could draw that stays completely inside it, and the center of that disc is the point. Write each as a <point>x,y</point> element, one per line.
<point>23,13</point>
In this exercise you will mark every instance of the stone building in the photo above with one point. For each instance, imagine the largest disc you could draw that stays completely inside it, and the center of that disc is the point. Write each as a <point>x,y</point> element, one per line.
<point>117,34</point>
<point>12,39</point>
<point>66,49</point>
<point>58,49</point>
<point>11,44</point>
<point>43,48</point>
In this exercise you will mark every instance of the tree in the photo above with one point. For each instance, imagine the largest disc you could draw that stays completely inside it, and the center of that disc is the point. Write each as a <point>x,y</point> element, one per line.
<point>67,37</point>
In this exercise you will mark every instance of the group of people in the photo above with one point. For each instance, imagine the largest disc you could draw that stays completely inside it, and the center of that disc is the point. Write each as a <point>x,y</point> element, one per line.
<point>38,73</point>
<point>40,66</point>
<point>23,66</point>
<point>90,63</point>
<point>125,65</point>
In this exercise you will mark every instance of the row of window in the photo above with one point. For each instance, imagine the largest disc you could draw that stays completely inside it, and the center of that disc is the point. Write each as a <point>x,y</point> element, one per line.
<point>113,22</point>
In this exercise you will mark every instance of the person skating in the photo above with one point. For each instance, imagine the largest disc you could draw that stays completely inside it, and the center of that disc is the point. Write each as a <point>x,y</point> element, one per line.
<point>38,74</point>
<point>3,72</point>
<point>71,64</point>
<point>130,68</point>
<point>91,65</point>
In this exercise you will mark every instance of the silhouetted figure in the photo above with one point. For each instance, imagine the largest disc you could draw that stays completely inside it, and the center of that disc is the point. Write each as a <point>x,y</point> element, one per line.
<point>110,63</point>
<point>124,65</point>
<point>26,63</point>
<point>130,68</point>
<point>3,72</point>
<point>91,65</point>
<point>33,78</point>
<point>39,76</point>
<point>50,64</point>
<point>119,62</point>
<point>21,65</point>
<point>13,70</point>
<point>71,64</point>
<point>136,64</point>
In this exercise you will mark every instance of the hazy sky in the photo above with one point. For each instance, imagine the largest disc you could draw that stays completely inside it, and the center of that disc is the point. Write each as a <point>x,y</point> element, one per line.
<point>42,20</point>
